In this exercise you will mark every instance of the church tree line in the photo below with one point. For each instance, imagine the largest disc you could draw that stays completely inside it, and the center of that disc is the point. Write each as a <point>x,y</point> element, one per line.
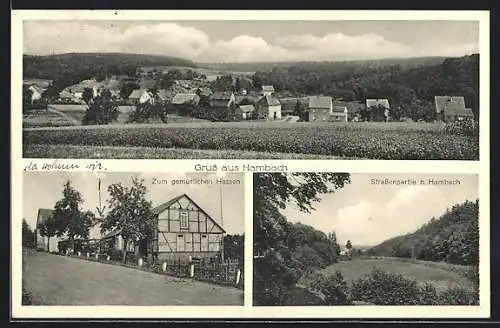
<point>411,89</point>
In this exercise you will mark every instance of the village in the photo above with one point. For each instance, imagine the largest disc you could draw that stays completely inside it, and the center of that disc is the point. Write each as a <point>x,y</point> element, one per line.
<point>224,97</point>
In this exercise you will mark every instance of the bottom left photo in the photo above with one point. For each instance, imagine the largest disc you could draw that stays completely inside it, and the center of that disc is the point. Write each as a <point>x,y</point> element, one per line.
<point>128,238</point>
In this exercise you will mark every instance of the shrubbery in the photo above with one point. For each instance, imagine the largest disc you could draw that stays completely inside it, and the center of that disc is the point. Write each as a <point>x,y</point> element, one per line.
<point>334,287</point>
<point>463,128</point>
<point>386,288</point>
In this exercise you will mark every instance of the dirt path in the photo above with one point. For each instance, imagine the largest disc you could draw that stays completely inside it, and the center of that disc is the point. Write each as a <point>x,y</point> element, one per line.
<point>59,280</point>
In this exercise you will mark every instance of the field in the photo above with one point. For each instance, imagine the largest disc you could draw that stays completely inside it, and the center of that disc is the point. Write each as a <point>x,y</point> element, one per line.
<point>400,141</point>
<point>440,276</point>
<point>58,280</point>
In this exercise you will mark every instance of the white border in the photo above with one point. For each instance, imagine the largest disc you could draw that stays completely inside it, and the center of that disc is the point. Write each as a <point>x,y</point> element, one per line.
<point>352,166</point>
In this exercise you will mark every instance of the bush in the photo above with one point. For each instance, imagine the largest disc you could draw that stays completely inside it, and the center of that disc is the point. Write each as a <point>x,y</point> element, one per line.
<point>115,254</point>
<point>386,288</point>
<point>27,298</point>
<point>334,287</point>
<point>459,296</point>
<point>463,128</point>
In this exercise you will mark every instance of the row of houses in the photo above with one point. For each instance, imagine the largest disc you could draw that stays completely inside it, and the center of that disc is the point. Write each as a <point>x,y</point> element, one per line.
<point>321,109</point>
<point>183,230</point>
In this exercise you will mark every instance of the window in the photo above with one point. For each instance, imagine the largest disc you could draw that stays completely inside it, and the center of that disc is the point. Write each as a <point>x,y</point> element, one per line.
<point>184,219</point>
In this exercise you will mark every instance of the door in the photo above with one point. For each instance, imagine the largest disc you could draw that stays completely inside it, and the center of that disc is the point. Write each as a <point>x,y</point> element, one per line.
<point>204,243</point>
<point>180,243</point>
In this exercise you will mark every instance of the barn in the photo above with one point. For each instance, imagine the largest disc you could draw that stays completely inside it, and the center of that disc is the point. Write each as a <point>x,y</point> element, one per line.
<point>452,108</point>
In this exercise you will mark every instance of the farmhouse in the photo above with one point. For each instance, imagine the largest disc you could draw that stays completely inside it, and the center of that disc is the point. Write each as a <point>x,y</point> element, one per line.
<point>268,108</point>
<point>245,112</point>
<point>267,90</point>
<point>183,229</point>
<point>339,111</point>
<point>44,243</point>
<point>449,109</point>
<point>140,96</point>
<point>320,108</point>
<point>222,99</point>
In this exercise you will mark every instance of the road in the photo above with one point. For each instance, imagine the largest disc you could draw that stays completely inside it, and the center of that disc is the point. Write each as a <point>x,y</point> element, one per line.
<point>59,280</point>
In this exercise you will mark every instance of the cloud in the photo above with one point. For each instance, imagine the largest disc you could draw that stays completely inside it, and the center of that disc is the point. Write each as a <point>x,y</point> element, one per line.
<point>172,39</point>
<point>371,222</point>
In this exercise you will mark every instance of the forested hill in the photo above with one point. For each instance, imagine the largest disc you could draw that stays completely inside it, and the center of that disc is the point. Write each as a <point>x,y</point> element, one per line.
<point>412,88</point>
<point>453,238</point>
<point>405,63</point>
<point>51,66</point>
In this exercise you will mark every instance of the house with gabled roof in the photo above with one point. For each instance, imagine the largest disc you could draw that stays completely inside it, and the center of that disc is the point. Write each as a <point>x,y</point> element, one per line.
<point>320,108</point>
<point>452,108</point>
<point>377,102</point>
<point>268,108</point>
<point>183,229</point>
<point>339,111</point>
<point>222,99</point>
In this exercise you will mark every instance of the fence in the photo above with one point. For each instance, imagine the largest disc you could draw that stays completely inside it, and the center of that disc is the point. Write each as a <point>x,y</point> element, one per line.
<point>228,273</point>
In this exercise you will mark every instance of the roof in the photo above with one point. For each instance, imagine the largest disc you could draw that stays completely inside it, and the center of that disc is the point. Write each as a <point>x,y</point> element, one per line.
<point>468,112</point>
<point>137,93</point>
<point>162,207</point>
<point>183,98</point>
<point>112,233</point>
<point>450,105</point>
<point>35,88</point>
<point>270,100</point>
<point>65,94</point>
<point>43,215</point>
<point>221,95</point>
<point>165,94</point>
<point>339,106</point>
<point>267,88</point>
<point>247,108</point>
<point>377,102</point>
<point>320,102</point>
<point>239,98</point>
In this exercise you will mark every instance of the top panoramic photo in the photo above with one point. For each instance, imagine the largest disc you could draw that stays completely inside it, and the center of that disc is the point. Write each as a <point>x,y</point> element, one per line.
<point>247,89</point>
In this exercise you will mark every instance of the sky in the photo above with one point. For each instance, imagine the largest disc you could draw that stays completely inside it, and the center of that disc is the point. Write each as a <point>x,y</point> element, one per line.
<point>368,214</point>
<point>44,189</point>
<point>254,41</point>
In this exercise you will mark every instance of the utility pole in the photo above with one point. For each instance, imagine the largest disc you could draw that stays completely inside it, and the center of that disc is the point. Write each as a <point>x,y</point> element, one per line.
<point>221,222</point>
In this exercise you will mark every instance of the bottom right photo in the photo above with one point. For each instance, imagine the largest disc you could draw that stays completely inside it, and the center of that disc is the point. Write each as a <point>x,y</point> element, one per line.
<point>365,239</point>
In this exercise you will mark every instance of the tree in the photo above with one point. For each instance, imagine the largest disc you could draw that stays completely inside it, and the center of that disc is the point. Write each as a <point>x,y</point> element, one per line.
<point>280,268</point>
<point>127,89</point>
<point>48,228</point>
<point>348,245</point>
<point>234,247</point>
<point>88,95</point>
<point>101,110</point>
<point>130,212</point>
<point>28,235</point>
<point>70,220</point>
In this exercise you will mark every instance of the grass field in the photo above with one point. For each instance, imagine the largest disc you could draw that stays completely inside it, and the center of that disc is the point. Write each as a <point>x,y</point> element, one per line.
<point>347,140</point>
<point>57,280</point>
<point>438,276</point>
<point>103,152</point>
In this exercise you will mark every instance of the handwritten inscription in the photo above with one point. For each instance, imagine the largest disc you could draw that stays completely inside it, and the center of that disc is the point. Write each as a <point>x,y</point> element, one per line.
<point>55,165</point>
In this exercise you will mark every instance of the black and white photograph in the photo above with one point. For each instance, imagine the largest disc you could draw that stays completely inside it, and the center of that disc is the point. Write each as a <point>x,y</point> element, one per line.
<point>128,238</point>
<point>335,239</point>
<point>251,89</point>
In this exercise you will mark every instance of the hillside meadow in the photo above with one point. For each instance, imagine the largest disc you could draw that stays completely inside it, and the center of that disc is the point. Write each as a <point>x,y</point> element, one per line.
<point>389,141</point>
